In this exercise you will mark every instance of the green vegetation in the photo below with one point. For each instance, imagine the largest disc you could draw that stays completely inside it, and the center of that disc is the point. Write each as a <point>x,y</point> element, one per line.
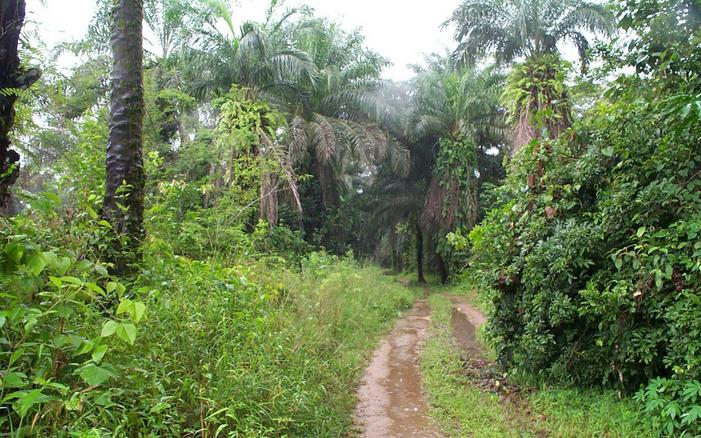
<point>457,404</point>
<point>595,266</point>
<point>244,350</point>
<point>462,408</point>
<point>194,238</point>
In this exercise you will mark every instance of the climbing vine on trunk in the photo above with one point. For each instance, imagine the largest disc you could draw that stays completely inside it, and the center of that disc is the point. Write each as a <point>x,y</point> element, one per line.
<point>124,189</point>
<point>13,79</point>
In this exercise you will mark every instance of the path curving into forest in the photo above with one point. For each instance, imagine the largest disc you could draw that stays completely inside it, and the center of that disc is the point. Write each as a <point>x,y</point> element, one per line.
<point>391,402</point>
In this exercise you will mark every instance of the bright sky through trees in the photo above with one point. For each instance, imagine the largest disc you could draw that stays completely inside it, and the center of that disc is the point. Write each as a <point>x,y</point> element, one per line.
<point>400,30</point>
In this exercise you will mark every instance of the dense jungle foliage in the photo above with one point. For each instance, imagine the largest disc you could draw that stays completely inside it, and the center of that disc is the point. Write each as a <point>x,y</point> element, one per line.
<point>197,242</point>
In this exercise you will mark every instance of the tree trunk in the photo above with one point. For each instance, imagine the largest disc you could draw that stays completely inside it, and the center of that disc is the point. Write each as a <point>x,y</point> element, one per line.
<point>329,186</point>
<point>269,199</point>
<point>393,246</point>
<point>545,99</point>
<point>124,188</point>
<point>420,253</point>
<point>442,269</point>
<point>12,78</point>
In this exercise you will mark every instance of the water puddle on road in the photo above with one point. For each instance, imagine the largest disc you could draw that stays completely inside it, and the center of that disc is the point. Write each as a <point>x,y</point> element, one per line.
<point>465,321</point>
<point>391,401</point>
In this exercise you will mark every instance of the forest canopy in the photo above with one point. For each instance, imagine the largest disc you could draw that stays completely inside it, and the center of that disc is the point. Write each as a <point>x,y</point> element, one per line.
<point>173,215</point>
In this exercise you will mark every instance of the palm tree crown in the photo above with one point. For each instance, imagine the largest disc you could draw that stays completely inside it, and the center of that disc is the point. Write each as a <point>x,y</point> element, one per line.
<point>509,29</point>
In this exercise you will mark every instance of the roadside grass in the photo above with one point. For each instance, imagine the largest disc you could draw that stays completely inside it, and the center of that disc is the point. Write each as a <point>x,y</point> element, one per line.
<point>463,410</point>
<point>249,350</point>
<point>571,412</point>
<point>458,407</point>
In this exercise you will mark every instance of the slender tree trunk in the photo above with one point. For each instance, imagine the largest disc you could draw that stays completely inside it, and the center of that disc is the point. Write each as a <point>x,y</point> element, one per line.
<point>442,269</point>
<point>124,188</point>
<point>393,244</point>
<point>12,77</point>
<point>420,254</point>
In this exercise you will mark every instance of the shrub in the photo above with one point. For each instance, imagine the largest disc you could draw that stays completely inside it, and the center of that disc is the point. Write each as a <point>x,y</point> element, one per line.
<point>594,253</point>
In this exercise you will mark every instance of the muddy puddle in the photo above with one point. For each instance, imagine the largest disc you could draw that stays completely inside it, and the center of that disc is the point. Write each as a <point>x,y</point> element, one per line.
<point>465,320</point>
<point>391,401</point>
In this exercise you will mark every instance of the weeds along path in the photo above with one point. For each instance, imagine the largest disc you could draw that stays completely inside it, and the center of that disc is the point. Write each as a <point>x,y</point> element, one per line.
<point>391,400</point>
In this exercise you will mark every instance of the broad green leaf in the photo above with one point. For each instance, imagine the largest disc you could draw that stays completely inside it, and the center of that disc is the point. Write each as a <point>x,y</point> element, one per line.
<point>125,306</point>
<point>91,212</point>
<point>139,311</point>
<point>95,288</point>
<point>109,329</point>
<point>61,265</point>
<point>127,332</point>
<point>101,270</point>
<point>36,263</point>
<point>15,251</point>
<point>85,347</point>
<point>72,280</point>
<point>83,265</point>
<point>94,375</point>
<point>28,399</point>
<point>99,352</point>
<point>13,379</point>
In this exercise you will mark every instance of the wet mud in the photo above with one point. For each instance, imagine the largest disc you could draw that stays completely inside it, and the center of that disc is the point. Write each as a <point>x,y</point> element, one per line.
<point>391,403</point>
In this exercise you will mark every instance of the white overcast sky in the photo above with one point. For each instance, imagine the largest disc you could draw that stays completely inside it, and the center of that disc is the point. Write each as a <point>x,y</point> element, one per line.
<point>401,30</point>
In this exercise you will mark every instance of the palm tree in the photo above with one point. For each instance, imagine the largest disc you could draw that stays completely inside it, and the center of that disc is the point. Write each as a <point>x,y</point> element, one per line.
<point>460,110</point>
<point>123,204</point>
<point>336,119</point>
<point>396,200</point>
<point>257,56</point>
<point>458,117</point>
<point>12,79</point>
<point>509,29</point>
<point>530,29</point>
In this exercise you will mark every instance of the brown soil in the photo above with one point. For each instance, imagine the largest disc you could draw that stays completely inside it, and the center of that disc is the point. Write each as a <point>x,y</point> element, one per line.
<point>466,320</point>
<point>482,371</point>
<point>391,401</point>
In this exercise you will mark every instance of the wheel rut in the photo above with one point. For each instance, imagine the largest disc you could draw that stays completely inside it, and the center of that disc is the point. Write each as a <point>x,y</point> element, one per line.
<point>391,402</point>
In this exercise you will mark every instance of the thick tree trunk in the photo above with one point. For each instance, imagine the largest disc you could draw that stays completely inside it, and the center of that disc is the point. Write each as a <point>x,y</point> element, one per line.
<point>420,253</point>
<point>545,99</point>
<point>12,77</point>
<point>124,189</point>
<point>329,186</point>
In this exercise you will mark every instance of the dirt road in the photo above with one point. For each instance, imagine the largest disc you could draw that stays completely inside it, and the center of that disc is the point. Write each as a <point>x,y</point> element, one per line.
<point>391,401</point>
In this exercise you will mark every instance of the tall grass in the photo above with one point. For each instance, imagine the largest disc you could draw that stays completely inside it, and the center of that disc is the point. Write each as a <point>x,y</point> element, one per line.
<point>254,350</point>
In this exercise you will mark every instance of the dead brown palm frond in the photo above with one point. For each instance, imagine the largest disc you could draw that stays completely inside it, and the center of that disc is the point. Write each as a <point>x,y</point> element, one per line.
<point>298,139</point>
<point>269,198</point>
<point>323,138</point>
<point>282,178</point>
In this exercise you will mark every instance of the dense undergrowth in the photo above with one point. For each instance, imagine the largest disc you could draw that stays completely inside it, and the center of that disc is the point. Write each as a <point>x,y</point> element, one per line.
<point>463,409</point>
<point>195,347</point>
<point>591,256</point>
